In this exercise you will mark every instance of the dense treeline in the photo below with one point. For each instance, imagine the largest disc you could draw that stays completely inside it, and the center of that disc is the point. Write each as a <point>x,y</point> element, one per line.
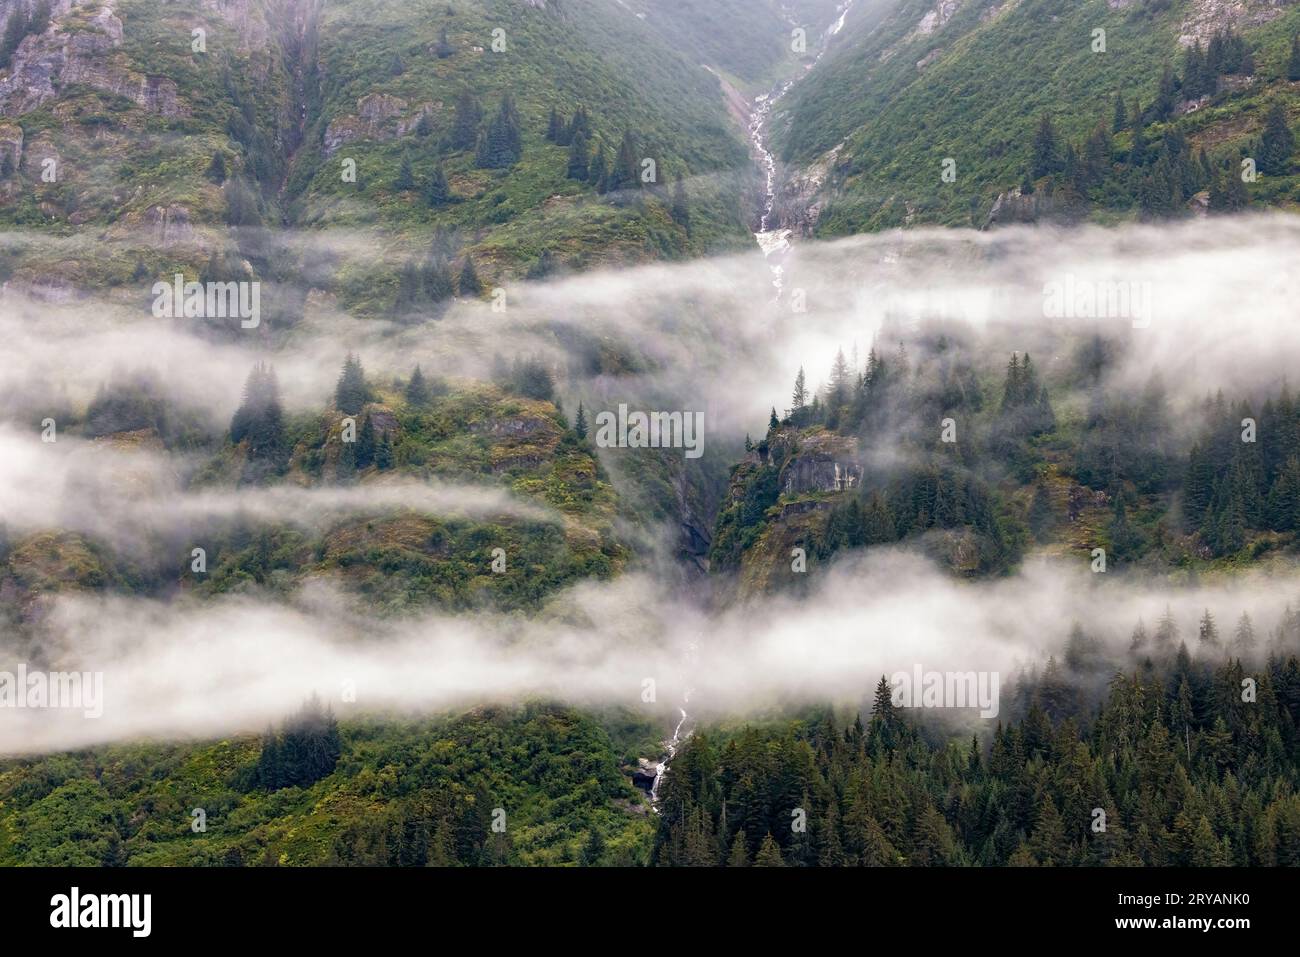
<point>1159,173</point>
<point>1243,473</point>
<point>538,784</point>
<point>303,752</point>
<point>1179,765</point>
<point>999,471</point>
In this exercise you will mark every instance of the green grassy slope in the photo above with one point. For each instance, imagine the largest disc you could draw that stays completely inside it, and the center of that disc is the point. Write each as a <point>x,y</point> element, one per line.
<point>135,116</point>
<point>974,88</point>
<point>402,793</point>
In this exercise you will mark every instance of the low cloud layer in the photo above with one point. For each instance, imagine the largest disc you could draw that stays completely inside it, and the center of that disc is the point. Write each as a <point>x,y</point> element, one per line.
<point>1215,296</point>
<point>1219,301</point>
<point>131,496</point>
<point>237,663</point>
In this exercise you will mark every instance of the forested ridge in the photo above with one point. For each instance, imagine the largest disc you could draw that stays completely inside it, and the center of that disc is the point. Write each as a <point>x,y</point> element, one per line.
<point>1178,769</point>
<point>990,461</point>
<point>1050,112</point>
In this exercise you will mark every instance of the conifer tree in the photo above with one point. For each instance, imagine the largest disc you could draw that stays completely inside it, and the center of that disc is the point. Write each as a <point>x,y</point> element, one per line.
<point>800,396</point>
<point>437,192</point>
<point>417,390</point>
<point>1120,121</point>
<point>598,170</point>
<point>259,420</point>
<point>500,146</point>
<point>469,286</point>
<point>465,123</point>
<point>681,208</point>
<point>365,450</point>
<point>1277,144</point>
<point>216,171</point>
<point>769,853</point>
<point>352,392</point>
<point>384,452</point>
<point>405,177</point>
<point>625,173</point>
<point>1046,153</point>
<point>580,423</point>
<point>579,162</point>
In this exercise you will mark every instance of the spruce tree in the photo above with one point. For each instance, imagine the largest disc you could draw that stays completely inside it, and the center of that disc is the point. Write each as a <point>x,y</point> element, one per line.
<point>1041,517</point>
<point>1120,122</point>
<point>769,853</point>
<point>579,162</point>
<point>469,286</point>
<point>417,390</point>
<point>1293,64</point>
<point>500,146</point>
<point>216,171</point>
<point>384,453</point>
<point>437,192</point>
<point>365,450</point>
<point>625,173</point>
<point>799,398</point>
<point>405,177</point>
<point>352,392</point>
<point>681,208</point>
<point>1277,144</point>
<point>1046,153</point>
<point>465,123</point>
<point>598,170</point>
<point>259,421</point>
<point>580,423</point>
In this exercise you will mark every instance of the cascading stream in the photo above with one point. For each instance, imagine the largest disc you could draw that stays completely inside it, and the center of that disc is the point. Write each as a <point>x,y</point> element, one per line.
<point>773,238</point>
<point>774,242</point>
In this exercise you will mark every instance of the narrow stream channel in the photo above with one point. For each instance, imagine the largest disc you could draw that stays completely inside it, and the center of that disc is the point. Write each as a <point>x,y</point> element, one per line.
<point>774,241</point>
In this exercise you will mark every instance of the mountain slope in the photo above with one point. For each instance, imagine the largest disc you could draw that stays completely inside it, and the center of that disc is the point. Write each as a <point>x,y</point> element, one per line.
<point>970,80</point>
<point>162,137</point>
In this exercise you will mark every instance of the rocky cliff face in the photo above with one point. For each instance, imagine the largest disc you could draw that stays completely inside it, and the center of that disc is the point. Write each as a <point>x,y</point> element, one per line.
<point>802,194</point>
<point>84,52</point>
<point>815,462</point>
<point>1207,17</point>
<point>378,117</point>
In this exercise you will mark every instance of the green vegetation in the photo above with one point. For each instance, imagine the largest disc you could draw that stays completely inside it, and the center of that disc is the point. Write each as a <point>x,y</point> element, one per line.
<point>977,88</point>
<point>1110,475</point>
<point>446,131</point>
<point>398,794</point>
<point>1183,772</point>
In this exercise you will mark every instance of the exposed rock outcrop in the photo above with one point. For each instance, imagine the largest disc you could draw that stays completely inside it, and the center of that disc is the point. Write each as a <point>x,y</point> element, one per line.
<point>818,462</point>
<point>11,146</point>
<point>379,116</point>
<point>170,224</point>
<point>87,55</point>
<point>1208,17</point>
<point>801,196</point>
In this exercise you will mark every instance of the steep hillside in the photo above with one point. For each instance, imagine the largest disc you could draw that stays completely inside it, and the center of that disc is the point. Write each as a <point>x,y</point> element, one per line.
<point>158,126</point>
<point>421,793</point>
<point>1059,465</point>
<point>972,80</point>
<point>390,544</point>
